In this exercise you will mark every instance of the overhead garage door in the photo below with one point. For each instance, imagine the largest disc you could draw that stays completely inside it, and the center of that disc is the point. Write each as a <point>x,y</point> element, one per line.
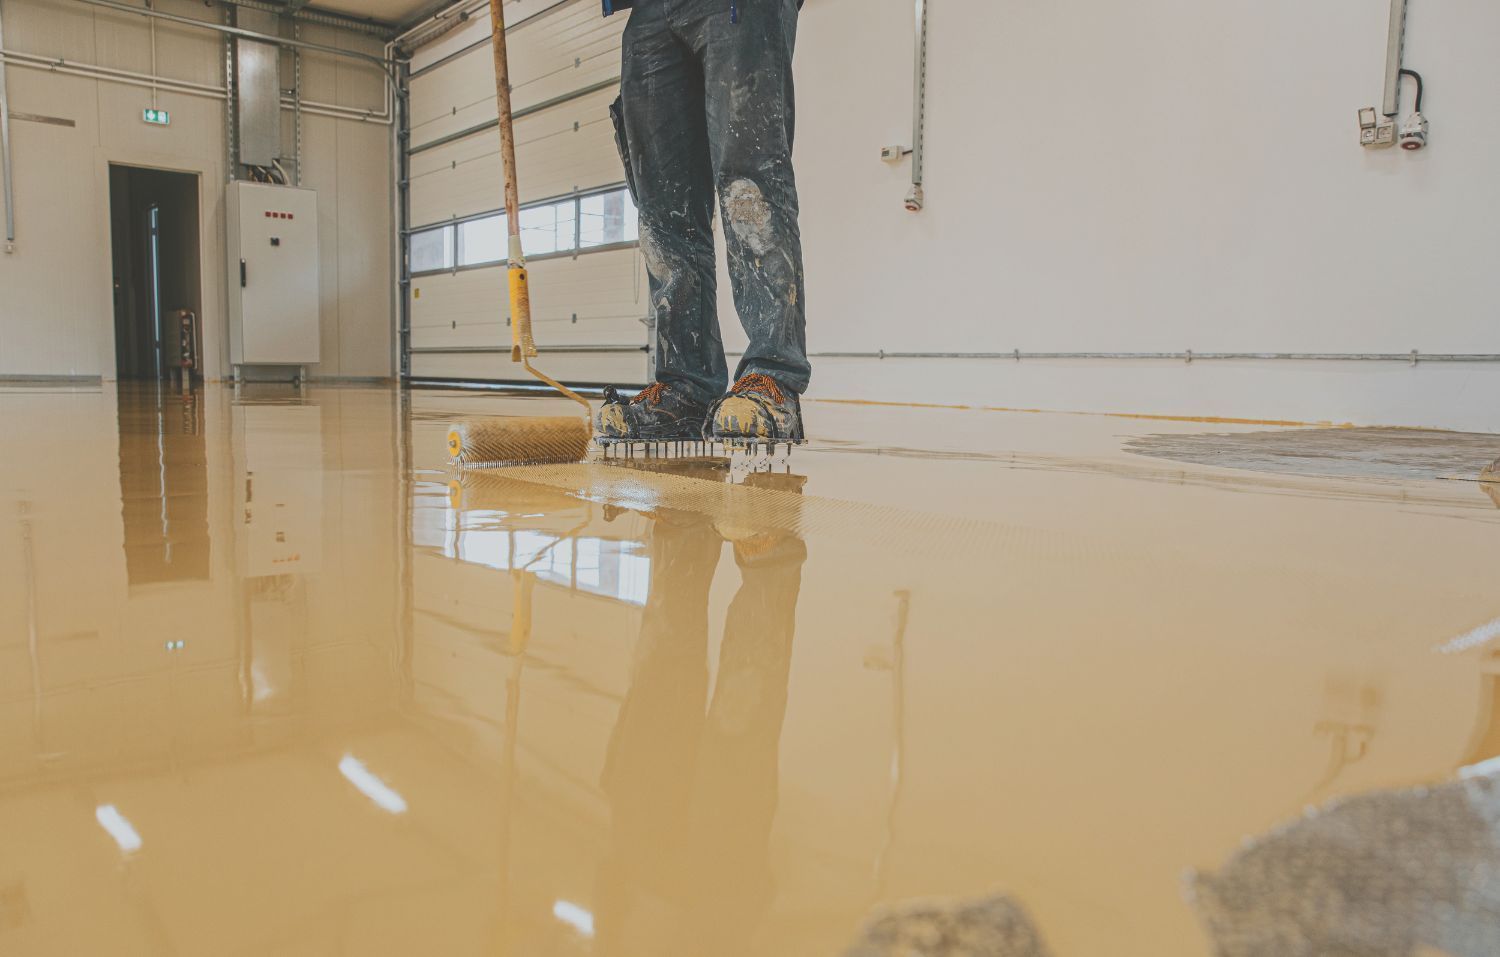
<point>588,283</point>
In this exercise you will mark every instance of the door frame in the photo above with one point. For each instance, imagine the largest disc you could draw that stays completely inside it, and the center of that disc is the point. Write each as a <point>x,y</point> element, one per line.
<point>212,305</point>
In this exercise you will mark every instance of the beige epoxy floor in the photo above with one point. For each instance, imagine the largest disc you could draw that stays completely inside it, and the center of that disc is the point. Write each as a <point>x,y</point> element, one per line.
<point>273,681</point>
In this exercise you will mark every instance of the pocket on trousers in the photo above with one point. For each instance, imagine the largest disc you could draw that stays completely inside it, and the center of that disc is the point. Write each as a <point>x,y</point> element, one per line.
<point>622,143</point>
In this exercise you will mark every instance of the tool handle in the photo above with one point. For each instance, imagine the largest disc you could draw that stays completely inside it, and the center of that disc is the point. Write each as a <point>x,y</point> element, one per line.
<point>507,127</point>
<point>522,344</point>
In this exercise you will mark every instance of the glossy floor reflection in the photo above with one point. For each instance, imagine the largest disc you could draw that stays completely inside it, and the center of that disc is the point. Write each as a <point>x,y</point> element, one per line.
<point>273,680</point>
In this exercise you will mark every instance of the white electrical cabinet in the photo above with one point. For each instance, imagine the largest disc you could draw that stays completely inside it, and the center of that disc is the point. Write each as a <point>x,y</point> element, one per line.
<point>273,275</point>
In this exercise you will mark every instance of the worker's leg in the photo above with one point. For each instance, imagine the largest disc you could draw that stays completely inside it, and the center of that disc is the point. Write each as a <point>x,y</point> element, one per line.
<point>666,145</point>
<point>747,67</point>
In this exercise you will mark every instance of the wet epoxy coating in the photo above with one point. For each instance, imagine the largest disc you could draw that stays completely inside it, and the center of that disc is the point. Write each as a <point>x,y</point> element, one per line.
<point>274,681</point>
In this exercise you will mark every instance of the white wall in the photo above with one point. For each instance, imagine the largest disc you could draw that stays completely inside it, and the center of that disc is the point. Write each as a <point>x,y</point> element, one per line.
<point>1157,175</point>
<point>56,307</point>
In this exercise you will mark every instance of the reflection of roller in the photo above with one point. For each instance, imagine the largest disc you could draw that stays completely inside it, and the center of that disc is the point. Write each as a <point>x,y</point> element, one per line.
<point>493,490</point>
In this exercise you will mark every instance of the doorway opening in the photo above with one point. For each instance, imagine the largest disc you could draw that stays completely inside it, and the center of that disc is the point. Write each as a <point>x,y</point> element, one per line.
<point>157,273</point>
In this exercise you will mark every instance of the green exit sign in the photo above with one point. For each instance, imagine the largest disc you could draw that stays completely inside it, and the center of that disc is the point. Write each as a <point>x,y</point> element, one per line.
<point>159,117</point>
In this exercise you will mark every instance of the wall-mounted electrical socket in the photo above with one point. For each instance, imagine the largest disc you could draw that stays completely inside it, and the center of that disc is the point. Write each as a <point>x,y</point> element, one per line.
<point>893,154</point>
<point>1414,132</point>
<point>1374,134</point>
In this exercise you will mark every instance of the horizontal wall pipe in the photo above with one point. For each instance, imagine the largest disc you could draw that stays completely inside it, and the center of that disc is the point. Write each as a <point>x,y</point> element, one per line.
<point>88,72</point>
<point>170,85</point>
<point>1013,356</point>
<point>57,64</point>
<point>505,350</point>
<point>1188,356</point>
<point>352,116</point>
<point>336,111</point>
<point>385,64</point>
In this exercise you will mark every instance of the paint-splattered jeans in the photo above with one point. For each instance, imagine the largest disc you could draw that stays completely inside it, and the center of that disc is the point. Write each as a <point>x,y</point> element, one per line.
<point>706,110</point>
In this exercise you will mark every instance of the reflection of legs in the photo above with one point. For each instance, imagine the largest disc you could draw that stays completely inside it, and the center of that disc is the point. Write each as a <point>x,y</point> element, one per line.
<point>735,788</point>
<point>649,767</point>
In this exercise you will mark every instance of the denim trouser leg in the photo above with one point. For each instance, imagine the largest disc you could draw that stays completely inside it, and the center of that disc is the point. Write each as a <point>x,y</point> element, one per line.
<point>708,109</point>
<point>661,90</point>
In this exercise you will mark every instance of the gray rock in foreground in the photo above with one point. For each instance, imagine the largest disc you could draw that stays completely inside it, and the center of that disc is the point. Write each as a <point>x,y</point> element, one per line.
<point>989,927</point>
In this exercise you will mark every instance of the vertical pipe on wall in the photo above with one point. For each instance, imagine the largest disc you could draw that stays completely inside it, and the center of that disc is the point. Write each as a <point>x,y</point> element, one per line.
<point>231,153</point>
<point>915,199</point>
<point>297,105</point>
<point>403,218</point>
<point>154,71</point>
<point>10,196</point>
<point>1395,43</point>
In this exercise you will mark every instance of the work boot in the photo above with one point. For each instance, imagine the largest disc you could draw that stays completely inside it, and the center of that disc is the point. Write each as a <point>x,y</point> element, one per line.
<point>757,408</point>
<point>659,412</point>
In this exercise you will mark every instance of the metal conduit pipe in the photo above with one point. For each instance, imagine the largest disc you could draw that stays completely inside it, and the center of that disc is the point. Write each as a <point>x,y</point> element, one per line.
<point>439,23</point>
<point>5,174</point>
<point>60,65</point>
<point>1412,357</point>
<point>165,84</point>
<point>384,63</point>
<point>10,198</point>
<point>184,87</point>
<point>373,28</point>
<point>493,350</point>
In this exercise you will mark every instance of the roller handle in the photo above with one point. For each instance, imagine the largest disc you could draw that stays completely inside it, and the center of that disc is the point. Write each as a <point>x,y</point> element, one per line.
<point>522,343</point>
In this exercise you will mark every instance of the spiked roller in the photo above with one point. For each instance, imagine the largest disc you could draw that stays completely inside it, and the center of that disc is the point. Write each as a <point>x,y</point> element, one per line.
<point>519,440</point>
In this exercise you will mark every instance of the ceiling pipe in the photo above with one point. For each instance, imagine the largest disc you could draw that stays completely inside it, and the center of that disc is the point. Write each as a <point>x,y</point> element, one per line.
<point>385,64</point>
<point>377,28</point>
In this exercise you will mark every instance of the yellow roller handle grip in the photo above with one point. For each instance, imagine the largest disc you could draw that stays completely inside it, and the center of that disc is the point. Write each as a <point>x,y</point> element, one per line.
<point>522,344</point>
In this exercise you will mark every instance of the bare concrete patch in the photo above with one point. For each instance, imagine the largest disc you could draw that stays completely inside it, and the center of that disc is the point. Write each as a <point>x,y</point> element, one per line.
<point>1361,453</point>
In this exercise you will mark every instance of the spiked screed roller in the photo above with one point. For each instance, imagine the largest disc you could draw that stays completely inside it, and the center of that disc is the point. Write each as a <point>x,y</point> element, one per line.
<point>514,440</point>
